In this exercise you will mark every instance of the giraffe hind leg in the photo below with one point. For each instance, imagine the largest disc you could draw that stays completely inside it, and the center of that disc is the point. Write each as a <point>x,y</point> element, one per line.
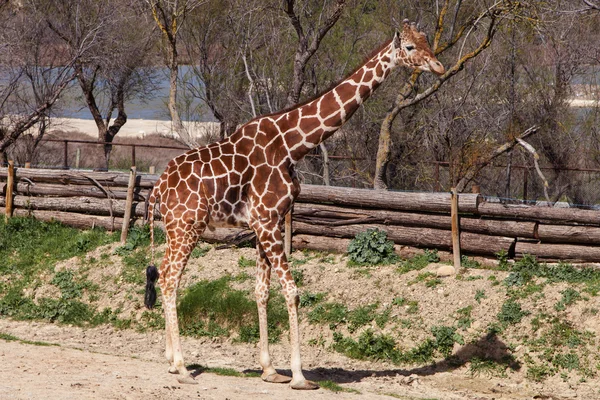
<point>179,249</point>
<point>263,281</point>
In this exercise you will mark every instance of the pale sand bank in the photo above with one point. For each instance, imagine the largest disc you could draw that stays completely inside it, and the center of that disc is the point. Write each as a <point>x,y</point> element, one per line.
<point>136,127</point>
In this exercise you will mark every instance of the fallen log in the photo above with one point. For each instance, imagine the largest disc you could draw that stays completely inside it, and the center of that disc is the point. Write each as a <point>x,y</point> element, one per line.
<point>49,189</point>
<point>419,237</point>
<point>541,214</point>
<point>576,234</point>
<point>78,177</point>
<point>82,221</point>
<point>562,252</point>
<point>336,216</point>
<point>432,202</point>
<point>86,205</point>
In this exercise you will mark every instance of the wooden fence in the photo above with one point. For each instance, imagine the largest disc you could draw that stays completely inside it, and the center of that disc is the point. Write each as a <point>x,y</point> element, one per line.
<point>323,214</point>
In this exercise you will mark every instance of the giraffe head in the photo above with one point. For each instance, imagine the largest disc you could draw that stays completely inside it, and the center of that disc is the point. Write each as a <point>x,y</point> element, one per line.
<point>413,51</point>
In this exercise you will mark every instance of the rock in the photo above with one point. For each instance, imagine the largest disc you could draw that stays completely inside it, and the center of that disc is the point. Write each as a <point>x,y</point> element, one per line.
<point>445,270</point>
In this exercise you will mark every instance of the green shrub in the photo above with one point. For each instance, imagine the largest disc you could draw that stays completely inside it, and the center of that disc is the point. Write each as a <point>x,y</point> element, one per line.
<point>371,248</point>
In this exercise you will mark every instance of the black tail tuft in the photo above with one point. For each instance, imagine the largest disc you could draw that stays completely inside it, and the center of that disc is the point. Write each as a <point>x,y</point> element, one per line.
<point>151,277</point>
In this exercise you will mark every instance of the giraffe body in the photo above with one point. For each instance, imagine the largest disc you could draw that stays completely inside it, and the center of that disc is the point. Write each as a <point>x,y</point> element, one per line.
<point>249,179</point>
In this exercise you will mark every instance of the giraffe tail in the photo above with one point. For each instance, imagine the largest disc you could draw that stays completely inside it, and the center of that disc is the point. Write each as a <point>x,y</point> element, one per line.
<point>151,272</point>
<point>151,277</point>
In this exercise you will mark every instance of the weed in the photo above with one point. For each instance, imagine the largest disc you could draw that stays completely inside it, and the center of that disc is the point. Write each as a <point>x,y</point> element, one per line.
<point>334,387</point>
<point>371,248</point>
<point>569,361</point>
<point>200,251</point>
<point>538,372</point>
<point>464,317</point>
<point>479,295</point>
<point>569,296</point>
<point>467,262</point>
<point>383,347</point>
<point>139,236</point>
<point>429,278</point>
<point>502,257</point>
<point>244,262</point>
<point>418,262</point>
<point>309,299</point>
<point>511,313</point>
<point>412,306</point>
<point>298,276</point>
<point>487,367</point>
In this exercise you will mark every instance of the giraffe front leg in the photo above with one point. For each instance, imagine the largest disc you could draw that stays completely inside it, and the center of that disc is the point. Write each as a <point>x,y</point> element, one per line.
<point>263,282</point>
<point>271,241</point>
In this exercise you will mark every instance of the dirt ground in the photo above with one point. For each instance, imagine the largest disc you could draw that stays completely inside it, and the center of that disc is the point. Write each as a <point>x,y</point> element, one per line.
<point>102,363</point>
<point>106,363</point>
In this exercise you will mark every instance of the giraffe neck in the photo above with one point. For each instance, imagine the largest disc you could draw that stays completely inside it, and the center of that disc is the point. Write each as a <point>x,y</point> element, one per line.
<point>321,117</point>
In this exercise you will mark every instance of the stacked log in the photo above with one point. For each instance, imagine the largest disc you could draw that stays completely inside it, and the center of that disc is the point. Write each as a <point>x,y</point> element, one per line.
<point>328,217</point>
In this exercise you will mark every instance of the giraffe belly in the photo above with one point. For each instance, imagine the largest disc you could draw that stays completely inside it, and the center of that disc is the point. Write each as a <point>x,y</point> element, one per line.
<point>237,217</point>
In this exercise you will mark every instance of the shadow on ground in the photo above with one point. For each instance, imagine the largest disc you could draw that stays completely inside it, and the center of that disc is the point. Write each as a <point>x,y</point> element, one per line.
<point>488,348</point>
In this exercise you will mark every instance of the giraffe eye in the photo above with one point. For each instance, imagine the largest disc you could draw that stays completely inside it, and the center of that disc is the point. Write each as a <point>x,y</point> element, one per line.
<point>410,48</point>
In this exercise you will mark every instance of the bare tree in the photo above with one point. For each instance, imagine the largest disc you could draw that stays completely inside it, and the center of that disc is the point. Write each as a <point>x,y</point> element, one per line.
<point>112,71</point>
<point>33,74</point>
<point>459,32</point>
<point>309,39</point>
<point>170,17</point>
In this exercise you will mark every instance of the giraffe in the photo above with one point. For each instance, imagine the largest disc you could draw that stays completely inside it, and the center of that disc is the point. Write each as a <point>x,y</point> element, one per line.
<point>249,179</point>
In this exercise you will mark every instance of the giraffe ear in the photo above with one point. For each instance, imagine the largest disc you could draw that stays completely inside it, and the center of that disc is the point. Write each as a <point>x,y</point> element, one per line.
<point>397,40</point>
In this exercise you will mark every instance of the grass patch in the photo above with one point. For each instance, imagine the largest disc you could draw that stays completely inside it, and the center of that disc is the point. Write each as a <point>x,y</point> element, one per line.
<point>244,262</point>
<point>334,387</point>
<point>213,308</point>
<point>376,347</point>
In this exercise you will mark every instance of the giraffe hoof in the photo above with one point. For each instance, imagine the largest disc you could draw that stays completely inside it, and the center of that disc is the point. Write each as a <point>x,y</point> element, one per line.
<point>304,385</point>
<point>276,378</point>
<point>187,380</point>
<point>173,370</point>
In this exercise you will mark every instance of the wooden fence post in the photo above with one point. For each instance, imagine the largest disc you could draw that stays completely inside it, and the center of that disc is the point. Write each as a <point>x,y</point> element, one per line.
<point>152,169</point>
<point>455,228</point>
<point>10,182</point>
<point>287,243</point>
<point>128,205</point>
<point>65,154</point>
<point>77,158</point>
<point>27,165</point>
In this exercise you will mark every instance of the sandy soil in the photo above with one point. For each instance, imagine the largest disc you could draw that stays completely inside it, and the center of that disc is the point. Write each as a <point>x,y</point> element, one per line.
<point>103,363</point>
<point>106,363</point>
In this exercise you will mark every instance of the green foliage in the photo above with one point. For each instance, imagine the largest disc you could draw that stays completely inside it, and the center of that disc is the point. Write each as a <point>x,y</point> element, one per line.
<point>244,262</point>
<point>309,299</point>
<point>419,261</point>
<point>334,387</point>
<point>429,278</point>
<point>371,248</point>
<point>569,296</point>
<point>371,346</point>
<point>298,276</point>
<point>212,308</point>
<point>412,306</point>
<point>487,367</point>
<point>479,295</point>
<point>200,251</point>
<point>464,319</point>
<point>502,257</point>
<point>511,313</point>
<point>139,236</point>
